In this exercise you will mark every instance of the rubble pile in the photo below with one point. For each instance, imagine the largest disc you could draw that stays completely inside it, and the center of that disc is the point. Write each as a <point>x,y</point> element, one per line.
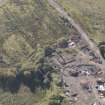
<point>80,72</point>
<point>100,86</point>
<point>84,47</point>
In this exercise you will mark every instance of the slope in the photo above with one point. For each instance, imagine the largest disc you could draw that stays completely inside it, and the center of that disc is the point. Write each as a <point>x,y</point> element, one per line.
<point>90,15</point>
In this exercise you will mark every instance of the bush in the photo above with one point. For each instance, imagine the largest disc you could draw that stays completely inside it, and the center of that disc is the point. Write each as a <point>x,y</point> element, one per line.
<point>49,51</point>
<point>56,100</point>
<point>102,49</point>
<point>62,43</point>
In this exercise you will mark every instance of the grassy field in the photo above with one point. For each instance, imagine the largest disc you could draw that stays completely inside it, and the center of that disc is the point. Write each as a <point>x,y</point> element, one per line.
<point>90,14</point>
<point>35,20</point>
<point>26,27</point>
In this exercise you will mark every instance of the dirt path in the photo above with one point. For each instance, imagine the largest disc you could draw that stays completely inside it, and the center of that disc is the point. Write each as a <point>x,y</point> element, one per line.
<point>2,2</point>
<point>63,13</point>
<point>84,36</point>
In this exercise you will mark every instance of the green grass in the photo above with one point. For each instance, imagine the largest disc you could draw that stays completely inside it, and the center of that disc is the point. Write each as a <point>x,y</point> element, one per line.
<point>26,28</point>
<point>25,97</point>
<point>36,21</point>
<point>89,14</point>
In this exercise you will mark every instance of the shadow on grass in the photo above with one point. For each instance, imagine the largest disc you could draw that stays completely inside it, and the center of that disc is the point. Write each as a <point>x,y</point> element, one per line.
<point>35,80</point>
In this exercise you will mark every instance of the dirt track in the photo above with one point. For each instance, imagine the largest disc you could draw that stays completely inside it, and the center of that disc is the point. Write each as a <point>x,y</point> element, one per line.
<point>63,13</point>
<point>91,45</point>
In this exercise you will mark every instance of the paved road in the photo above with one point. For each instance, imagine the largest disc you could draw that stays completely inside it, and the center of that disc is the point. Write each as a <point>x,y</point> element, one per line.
<point>63,13</point>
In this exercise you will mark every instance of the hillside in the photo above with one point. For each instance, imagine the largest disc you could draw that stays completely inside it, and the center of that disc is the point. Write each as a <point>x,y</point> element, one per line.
<point>90,14</point>
<point>27,27</point>
<point>52,52</point>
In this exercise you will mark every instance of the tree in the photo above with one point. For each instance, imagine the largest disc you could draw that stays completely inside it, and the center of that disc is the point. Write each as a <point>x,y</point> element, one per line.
<point>102,49</point>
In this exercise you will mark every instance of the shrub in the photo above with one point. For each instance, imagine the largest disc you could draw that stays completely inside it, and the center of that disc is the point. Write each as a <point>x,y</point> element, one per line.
<point>56,100</point>
<point>49,51</point>
<point>102,49</point>
<point>62,43</point>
